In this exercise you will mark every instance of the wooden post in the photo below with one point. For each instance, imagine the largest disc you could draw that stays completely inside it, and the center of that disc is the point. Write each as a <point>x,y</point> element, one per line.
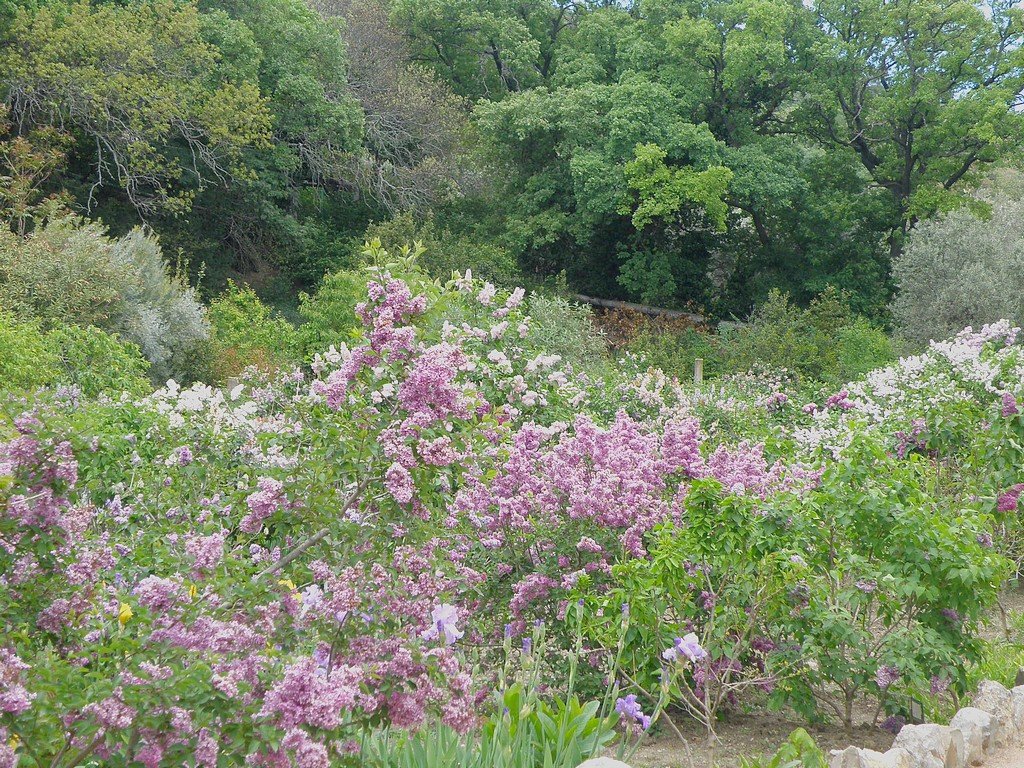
<point>698,371</point>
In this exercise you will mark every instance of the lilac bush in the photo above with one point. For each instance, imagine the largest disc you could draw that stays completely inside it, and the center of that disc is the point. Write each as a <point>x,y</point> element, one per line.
<point>269,574</point>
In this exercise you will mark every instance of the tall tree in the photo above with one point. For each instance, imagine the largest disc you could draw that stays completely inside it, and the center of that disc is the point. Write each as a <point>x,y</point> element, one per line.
<point>154,113</point>
<point>488,48</point>
<point>924,92</point>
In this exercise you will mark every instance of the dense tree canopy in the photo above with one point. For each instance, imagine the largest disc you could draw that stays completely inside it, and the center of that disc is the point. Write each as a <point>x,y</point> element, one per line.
<point>678,152</point>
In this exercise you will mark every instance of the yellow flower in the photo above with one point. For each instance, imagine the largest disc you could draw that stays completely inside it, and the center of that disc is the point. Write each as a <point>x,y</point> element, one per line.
<point>125,614</point>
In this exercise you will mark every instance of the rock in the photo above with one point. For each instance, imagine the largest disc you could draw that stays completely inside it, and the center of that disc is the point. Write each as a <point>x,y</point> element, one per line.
<point>933,746</point>
<point>898,758</point>
<point>998,702</point>
<point>844,758</point>
<point>602,762</point>
<point>851,757</point>
<point>980,730</point>
<point>1017,709</point>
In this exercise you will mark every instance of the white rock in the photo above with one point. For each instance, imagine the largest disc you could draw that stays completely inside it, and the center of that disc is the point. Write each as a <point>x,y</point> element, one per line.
<point>897,757</point>
<point>1017,707</point>
<point>602,762</point>
<point>980,730</point>
<point>933,746</point>
<point>998,702</point>
<point>844,758</point>
<point>851,757</point>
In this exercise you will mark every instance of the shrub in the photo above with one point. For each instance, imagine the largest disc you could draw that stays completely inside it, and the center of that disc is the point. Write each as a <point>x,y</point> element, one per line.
<point>159,311</point>
<point>824,342</point>
<point>98,362</point>
<point>445,252</point>
<point>26,359</point>
<point>961,270</point>
<point>245,332</point>
<point>565,328</point>
<point>87,358</point>
<point>329,314</point>
<point>68,271</point>
<point>860,348</point>
<point>62,272</point>
<point>675,352</point>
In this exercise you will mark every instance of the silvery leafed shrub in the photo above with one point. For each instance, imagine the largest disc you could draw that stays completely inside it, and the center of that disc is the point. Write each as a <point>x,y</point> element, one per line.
<point>960,270</point>
<point>71,272</point>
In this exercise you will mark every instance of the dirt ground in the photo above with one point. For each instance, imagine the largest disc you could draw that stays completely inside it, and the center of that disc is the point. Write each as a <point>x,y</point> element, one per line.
<point>749,735</point>
<point>760,733</point>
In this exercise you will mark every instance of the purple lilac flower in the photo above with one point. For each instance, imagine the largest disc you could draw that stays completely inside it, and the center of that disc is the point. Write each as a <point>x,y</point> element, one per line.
<point>886,676</point>
<point>1007,501</point>
<point>1009,407</point>
<point>893,724</point>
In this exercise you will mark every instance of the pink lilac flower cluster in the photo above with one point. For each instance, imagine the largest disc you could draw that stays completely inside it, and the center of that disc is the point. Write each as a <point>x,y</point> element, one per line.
<point>265,501</point>
<point>601,490</point>
<point>14,697</point>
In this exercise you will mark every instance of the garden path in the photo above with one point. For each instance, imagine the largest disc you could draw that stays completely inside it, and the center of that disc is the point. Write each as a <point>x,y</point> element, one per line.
<point>1007,757</point>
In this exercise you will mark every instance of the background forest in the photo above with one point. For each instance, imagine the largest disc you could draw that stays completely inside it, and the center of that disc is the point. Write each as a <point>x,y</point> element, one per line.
<point>684,154</point>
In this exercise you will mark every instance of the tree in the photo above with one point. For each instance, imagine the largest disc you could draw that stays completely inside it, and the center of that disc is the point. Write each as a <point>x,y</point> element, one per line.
<point>922,91</point>
<point>488,48</point>
<point>414,126</point>
<point>154,113</point>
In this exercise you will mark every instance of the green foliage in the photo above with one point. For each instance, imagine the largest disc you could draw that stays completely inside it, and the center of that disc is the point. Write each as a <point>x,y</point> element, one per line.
<point>159,310</point>
<point>939,119</point>
<point>724,572</point>
<point>566,329</point>
<point>444,251</point>
<point>860,347</point>
<point>27,361</point>
<point>98,362</point>
<point>901,583</point>
<point>526,732</point>
<point>68,271</point>
<point>328,315</point>
<point>824,342</point>
<point>138,84</point>
<point>61,272</point>
<point>664,191</point>
<point>245,332</point>
<point>86,358</point>
<point>674,353</point>
<point>797,751</point>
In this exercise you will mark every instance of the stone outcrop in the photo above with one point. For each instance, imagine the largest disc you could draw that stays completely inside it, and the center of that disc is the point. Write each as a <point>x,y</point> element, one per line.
<point>852,757</point>
<point>998,702</point>
<point>996,719</point>
<point>933,746</point>
<point>981,732</point>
